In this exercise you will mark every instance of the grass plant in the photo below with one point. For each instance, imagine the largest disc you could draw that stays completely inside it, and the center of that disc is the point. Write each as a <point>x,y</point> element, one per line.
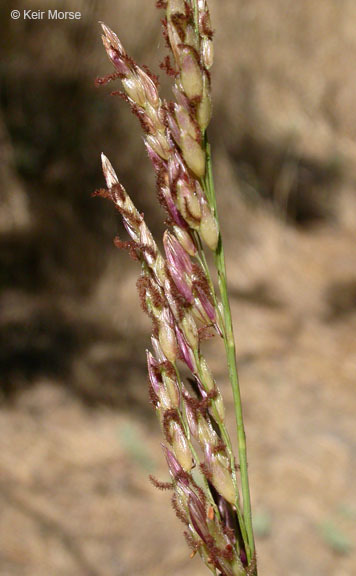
<point>210,488</point>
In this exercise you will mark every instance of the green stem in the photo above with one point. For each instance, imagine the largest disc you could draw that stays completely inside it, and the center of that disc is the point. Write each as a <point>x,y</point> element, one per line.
<point>229,340</point>
<point>196,17</point>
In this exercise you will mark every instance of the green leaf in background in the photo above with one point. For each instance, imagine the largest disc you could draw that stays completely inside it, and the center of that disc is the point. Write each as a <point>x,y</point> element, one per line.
<point>133,443</point>
<point>348,512</point>
<point>335,538</point>
<point>262,523</point>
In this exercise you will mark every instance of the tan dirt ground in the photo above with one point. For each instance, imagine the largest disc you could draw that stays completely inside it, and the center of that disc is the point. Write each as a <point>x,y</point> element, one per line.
<point>75,495</point>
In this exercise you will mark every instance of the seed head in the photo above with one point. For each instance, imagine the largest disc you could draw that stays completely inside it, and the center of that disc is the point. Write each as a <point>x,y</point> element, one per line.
<point>206,434</point>
<point>190,411</point>
<point>158,143</point>
<point>158,350</point>
<point>209,227</point>
<point>207,52</point>
<point>172,388</point>
<point>188,203</point>
<point>179,265</point>
<point>190,331</point>
<point>204,304</point>
<point>181,447</point>
<point>207,377</point>
<point>166,335</point>
<point>185,240</point>
<point>176,470</point>
<point>190,74</point>
<point>193,154</point>
<point>186,351</point>
<point>198,515</point>
<point>218,467</point>
<point>204,108</point>
<point>152,366</point>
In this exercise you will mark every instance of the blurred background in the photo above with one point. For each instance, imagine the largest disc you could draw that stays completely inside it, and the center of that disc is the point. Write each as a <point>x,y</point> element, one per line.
<point>77,435</point>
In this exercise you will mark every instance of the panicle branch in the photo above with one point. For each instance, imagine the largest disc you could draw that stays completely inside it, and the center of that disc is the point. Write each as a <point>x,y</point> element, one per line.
<point>172,133</point>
